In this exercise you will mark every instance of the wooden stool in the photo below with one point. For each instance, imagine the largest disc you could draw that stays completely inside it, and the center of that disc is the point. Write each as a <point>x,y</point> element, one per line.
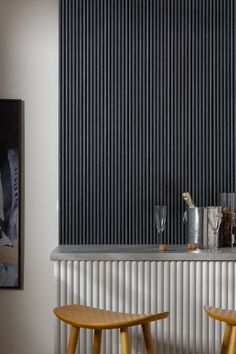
<point>79,316</point>
<point>229,317</point>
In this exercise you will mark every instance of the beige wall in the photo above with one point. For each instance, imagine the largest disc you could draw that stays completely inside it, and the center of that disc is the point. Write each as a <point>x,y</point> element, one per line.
<point>29,70</point>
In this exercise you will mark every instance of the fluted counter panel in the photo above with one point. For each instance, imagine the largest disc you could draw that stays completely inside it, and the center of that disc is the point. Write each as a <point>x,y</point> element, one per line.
<point>183,287</point>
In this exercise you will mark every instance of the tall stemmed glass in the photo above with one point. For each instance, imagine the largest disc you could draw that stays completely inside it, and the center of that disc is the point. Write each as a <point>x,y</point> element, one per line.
<point>160,220</point>
<point>214,221</point>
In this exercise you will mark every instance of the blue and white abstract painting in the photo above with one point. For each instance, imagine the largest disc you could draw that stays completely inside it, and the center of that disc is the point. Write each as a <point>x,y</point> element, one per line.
<point>10,116</point>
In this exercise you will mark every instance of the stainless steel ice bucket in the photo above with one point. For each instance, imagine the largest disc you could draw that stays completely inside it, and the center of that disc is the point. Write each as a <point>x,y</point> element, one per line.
<point>197,228</point>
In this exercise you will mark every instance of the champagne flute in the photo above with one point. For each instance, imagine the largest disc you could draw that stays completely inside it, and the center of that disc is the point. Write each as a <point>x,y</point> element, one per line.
<point>214,221</point>
<point>160,220</point>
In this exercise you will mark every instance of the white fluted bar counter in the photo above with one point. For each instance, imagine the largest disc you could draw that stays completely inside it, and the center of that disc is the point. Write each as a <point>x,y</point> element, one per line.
<point>141,279</point>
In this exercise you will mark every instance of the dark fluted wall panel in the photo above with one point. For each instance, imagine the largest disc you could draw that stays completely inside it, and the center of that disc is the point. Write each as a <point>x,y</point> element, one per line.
<point>147,111</point>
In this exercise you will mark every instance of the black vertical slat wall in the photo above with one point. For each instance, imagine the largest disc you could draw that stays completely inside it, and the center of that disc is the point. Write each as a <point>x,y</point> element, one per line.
<point>147,111</point>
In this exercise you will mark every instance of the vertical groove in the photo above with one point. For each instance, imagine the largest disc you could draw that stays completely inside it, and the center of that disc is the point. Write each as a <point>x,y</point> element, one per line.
<point>147,111</point>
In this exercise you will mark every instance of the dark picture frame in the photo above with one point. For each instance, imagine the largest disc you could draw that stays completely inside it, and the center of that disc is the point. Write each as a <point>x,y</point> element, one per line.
<point>10,193</point>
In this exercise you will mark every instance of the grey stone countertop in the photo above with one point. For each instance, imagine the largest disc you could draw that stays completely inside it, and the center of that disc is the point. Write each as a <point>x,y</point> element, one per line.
<point>137,253</point>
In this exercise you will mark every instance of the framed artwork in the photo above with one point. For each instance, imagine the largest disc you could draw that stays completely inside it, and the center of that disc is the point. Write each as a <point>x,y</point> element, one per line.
<point>10,192</point>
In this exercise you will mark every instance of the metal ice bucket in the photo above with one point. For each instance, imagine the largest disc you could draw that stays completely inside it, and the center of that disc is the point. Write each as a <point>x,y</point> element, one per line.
<point>197,228</point>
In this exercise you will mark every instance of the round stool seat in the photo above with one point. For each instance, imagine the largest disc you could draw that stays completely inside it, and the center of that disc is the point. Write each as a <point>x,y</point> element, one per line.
<point>227,316</point>
<point>80,316</point>
<point>93,318</point>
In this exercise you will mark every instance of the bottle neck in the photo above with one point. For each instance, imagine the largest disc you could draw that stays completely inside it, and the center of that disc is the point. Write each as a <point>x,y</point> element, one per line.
<point>188,200</point>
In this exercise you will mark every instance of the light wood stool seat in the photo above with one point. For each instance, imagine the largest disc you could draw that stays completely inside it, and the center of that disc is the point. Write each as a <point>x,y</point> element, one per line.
<point>229,317</point>
<point>79,316</point>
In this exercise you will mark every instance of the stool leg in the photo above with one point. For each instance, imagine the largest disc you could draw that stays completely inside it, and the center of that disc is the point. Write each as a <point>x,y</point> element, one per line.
<point>73,340</point>
<point>124,336</point>
<point>232,344</point>
<point>226,339</point>
<point>148,338</point>
<point>97,341</point>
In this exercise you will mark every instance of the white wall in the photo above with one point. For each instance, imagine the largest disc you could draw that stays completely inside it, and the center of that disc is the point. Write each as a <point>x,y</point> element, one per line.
<point>29,71</point>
